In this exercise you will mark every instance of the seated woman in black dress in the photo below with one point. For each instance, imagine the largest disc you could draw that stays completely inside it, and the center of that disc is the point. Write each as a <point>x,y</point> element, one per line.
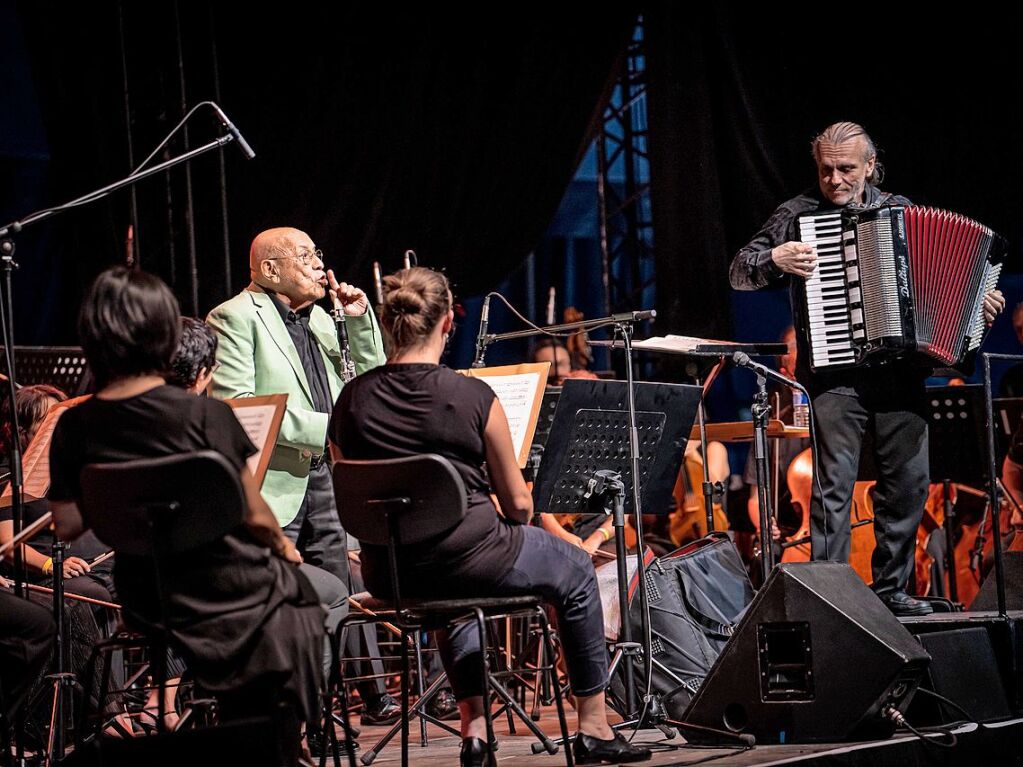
<point>413,405</point>
<point>245,620</point>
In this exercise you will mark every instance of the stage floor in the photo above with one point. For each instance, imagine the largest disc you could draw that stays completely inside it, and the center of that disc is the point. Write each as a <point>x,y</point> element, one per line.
<point>998,744</point>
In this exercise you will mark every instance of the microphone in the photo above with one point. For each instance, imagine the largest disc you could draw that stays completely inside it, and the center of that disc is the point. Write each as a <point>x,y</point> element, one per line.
<point>378,283</point>
<point>550,306</point>
<point>409,255</point>
<point>640,316</point>
<point>481,336</point>
<point>235,133</point>
<point>743,360</point>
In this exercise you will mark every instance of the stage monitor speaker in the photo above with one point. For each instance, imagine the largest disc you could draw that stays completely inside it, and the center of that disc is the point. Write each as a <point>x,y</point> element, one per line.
<point>976,686</point>
<point>987,598</point>
<point>816,658</point>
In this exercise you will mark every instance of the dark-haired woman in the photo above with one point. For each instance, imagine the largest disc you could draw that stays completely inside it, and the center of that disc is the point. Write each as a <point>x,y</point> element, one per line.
<point>245,620</point>
<point>413,405</point>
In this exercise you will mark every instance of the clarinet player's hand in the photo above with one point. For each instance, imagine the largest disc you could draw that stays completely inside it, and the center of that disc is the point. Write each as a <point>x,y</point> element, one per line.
<point>353,300</point>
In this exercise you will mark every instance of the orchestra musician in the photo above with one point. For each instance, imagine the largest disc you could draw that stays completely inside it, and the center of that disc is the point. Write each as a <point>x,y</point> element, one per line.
<point>413,405</point>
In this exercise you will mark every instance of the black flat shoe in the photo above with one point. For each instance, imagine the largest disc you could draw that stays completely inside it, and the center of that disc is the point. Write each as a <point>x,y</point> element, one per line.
<point>615,751</point>
<point>319,744</point>
<point>903,605</point>
<point>385,710</point>
<point>443,706</point>
<point>476,754</point>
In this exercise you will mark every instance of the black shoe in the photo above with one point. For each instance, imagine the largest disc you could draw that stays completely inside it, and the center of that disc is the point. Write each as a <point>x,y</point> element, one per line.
<point>903,605</point>
<point>615,751</point>
<point>476,754</point>
<point>318,744</point>
<point>385,710</point>
<point>443,706</point>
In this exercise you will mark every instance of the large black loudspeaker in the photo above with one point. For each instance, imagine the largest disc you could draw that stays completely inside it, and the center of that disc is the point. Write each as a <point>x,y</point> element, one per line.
<point>987,599</point>
<point>816,658</point>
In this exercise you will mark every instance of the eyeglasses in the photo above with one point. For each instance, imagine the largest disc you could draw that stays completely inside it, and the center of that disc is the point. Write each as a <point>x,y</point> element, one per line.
<point>305,258</point>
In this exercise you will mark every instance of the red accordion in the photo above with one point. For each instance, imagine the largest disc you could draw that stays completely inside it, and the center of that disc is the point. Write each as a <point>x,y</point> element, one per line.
<point>897,280</point>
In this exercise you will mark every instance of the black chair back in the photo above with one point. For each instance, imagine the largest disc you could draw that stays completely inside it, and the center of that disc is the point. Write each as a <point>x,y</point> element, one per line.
<point>177,502</point>
<point>423,495</point>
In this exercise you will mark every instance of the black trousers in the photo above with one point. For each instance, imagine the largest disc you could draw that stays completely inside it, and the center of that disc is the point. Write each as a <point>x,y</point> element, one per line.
<point>319,537</point>
<point>316,529</point>
<point>27,632</point>
<point>895,417</point>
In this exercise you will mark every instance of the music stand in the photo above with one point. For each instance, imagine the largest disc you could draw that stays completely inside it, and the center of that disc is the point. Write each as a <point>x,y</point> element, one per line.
<point>587,463</point>
<point>955,420</point>
<point>62,366</point>
<point>544,422</point>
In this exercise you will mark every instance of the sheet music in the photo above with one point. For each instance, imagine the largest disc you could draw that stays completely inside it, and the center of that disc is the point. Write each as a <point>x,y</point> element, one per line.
<point>261,418</point>
<point>256,421</point>
<point>516,395</point>
<point>519,389</point>
<point>676,343</point>
<point>35,461</point>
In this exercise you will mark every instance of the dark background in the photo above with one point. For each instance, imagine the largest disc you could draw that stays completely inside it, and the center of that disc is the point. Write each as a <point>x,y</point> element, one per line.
<point>381,127</point>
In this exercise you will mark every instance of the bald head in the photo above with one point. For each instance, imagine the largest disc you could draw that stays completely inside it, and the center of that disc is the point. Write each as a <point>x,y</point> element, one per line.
<point>273,243</point>
<point>286,261</point>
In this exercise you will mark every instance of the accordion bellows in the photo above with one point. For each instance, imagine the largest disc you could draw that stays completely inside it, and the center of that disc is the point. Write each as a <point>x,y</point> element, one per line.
<point>897,280</point>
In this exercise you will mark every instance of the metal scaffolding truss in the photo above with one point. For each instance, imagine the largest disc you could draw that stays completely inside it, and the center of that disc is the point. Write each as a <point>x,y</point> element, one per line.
<point>623,187</point>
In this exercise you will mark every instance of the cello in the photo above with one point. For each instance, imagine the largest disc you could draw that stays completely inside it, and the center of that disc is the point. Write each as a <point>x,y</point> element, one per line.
<point>799,477</point>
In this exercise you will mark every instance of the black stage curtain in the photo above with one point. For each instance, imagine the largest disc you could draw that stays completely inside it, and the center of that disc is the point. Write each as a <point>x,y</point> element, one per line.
<point>737,95</point>
<point>378,127</point>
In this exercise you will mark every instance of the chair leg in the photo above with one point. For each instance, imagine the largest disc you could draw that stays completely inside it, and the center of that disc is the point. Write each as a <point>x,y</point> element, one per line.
<point>415,710</point>
<point>481,626</point>
<point>423,737</point>
<point>501,664</point>
<point>540,692</point>
<point>349,732</point>
<point>405,681</point>
<point>553,671</point>
<point>335,687</point>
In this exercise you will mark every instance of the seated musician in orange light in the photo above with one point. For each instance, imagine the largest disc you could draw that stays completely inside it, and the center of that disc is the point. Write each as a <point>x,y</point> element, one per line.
<point>553,351</point>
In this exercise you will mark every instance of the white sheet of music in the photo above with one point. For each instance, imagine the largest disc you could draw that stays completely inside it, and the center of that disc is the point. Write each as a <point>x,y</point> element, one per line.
<point>516,395</point>
<point>519,389</point>
<point>256,422</point>
<point>674,343</point>
<point>260,417</point>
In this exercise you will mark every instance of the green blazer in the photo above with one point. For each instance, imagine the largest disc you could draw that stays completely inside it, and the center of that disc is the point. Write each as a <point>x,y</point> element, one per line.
<point>257,357</point>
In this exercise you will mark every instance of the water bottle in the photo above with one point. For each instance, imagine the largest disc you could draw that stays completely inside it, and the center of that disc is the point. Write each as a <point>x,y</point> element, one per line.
<point>800,409</point>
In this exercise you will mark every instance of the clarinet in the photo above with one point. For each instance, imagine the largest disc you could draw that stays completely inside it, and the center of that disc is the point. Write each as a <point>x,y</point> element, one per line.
<point>341,324</point>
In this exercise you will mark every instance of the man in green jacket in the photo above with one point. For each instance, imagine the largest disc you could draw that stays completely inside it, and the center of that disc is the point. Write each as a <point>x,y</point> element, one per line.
<point>274,339</point>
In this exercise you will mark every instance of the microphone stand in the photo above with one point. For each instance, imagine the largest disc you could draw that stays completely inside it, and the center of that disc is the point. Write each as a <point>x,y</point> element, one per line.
<point>7,267</point>
<point>761,416</point>
<point>622,323</point>
<point>7,250</point>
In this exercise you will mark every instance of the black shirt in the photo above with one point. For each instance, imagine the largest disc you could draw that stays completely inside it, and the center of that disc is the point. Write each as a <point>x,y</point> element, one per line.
<point>410,409</point>
<point>308,350</point>
<point>235,576</point>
